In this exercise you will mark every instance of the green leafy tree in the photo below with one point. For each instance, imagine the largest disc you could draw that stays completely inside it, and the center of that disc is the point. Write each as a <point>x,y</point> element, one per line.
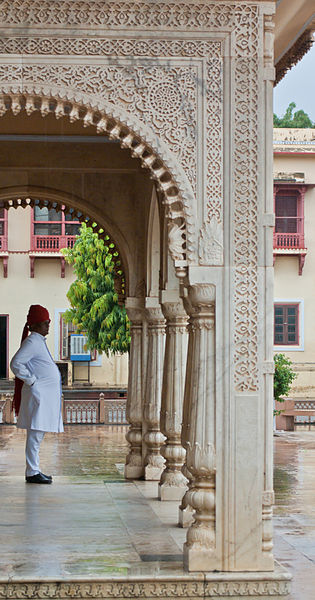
<point>283,377</point>
<point>298,120</point>
<point>94,301</point>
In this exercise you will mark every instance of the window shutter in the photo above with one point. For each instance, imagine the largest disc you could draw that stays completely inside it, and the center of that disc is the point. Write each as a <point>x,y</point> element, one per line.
<point>286,324</point>
<point>286,214</point>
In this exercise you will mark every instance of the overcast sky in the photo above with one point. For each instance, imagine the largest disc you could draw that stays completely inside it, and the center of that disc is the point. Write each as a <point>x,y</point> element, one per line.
<point>298,86</point>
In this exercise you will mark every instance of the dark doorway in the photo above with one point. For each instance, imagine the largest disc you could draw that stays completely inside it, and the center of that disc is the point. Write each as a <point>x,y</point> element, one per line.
<point>3,346</point>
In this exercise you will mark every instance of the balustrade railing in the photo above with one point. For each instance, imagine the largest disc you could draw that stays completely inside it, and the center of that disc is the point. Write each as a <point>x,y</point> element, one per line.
<point>81,412</point>
<point>288,240</point>
<point>293,412</point>
<point>52,243</point>
<point>109,411</point>
<point>3,243</point>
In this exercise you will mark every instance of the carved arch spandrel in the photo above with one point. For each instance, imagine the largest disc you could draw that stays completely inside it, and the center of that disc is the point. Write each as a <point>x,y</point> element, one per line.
<point>23,196</point>
<point>176,192</point>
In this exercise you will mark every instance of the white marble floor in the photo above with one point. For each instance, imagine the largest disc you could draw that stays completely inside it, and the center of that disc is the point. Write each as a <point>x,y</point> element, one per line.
<point>91,523</point>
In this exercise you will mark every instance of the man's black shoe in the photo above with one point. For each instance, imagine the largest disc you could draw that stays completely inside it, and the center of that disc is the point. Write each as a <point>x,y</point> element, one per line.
<point>47,476</point>
<point>38,478</point>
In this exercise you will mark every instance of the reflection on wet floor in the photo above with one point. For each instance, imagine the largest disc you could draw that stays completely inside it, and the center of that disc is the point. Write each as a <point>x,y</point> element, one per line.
<point>91,522</point>
<point>294,520</point>
<point>58,532</point>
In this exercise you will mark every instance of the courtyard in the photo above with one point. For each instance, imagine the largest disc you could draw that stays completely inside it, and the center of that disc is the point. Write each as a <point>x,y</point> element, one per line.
<point>93,525</point>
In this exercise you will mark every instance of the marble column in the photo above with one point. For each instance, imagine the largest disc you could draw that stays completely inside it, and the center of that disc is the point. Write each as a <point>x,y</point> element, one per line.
<point>153,438</point>
<point>185,511</point>
<point>173,483</point>
<point>134,463</point>
<point>200,547</point>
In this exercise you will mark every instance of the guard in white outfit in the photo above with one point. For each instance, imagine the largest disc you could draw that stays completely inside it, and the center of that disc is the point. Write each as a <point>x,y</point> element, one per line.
<point>40,408</point>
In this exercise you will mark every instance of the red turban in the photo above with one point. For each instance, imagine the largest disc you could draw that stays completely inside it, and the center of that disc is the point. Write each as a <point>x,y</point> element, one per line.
<point>36,314</point>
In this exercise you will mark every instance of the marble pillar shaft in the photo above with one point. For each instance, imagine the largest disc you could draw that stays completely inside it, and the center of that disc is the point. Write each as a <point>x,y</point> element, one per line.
<point>173,483</point>
<point>200,547</point>
<point>134,466</point>
<point>153,438</point>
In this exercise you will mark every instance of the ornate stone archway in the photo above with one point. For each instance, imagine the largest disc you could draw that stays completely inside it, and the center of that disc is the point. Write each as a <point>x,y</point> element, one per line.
<point>175,190</point>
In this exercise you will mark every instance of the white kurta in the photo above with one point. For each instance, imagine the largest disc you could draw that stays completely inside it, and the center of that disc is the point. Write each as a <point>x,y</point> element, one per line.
<point>41,392</point>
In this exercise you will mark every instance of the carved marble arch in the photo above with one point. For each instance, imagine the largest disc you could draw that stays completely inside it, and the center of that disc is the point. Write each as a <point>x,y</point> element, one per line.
<point>15,197</point>
<point>171,181</point>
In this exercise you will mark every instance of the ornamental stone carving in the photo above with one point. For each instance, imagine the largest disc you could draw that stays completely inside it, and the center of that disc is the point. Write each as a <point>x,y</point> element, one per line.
<point>161,142</point>
<point>177,127</point>
<point>144,589</point>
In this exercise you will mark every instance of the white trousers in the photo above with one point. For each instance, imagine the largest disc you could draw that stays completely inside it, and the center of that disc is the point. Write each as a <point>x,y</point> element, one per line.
<point>33,441</point>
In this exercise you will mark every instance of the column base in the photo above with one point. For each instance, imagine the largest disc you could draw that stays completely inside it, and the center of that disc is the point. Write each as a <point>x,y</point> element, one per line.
<point>185,517</point>
<point>198,558</point>
<point>171,492</point>
<point>152,473</point>
<point>133,472</point>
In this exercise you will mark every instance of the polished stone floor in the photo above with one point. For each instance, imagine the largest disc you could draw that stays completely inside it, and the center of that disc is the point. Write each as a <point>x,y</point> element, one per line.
<point>294,513</point>
<point>92,523</point>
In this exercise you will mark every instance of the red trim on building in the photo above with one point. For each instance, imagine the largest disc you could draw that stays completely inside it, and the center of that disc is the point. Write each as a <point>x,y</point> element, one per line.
<point>290,242</point>
<point>49,246</point>
<point>4,235</point>
<point>54,242</point>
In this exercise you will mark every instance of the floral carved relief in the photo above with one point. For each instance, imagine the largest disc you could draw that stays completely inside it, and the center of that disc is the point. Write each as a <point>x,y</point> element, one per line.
<point>163,96</point>
<point>167,15</point>
<point>247,45</point>
<point>143,589</point>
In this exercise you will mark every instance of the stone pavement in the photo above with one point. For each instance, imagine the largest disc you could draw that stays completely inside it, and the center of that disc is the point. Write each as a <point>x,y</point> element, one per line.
<point>92,523</point>
<point>294,512</point>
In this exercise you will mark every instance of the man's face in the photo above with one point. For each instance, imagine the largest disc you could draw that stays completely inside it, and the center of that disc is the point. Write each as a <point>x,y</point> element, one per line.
<point>42,328</point>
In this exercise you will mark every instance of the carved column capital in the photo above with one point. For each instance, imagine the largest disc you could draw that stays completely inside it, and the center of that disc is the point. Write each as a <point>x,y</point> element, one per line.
<point>155,316</point>
<point>135,316</point>
<point>135,310</point>
<point>175,314</point>
<point>200,299</point>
